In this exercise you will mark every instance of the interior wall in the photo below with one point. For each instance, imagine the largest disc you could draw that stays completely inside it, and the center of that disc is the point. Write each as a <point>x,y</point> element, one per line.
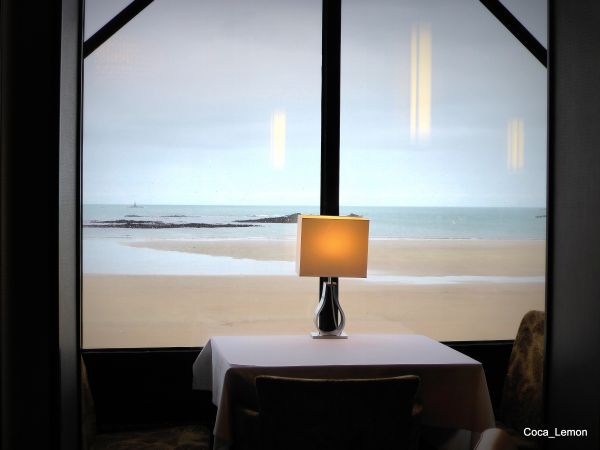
<point>573,374</point>
<point>29,226</point>
<point>38,327</point>
<point>145,387</point>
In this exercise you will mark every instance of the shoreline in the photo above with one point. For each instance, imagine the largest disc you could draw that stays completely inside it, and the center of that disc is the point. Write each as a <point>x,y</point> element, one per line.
<point>425,257</point>
<point>293,238</point>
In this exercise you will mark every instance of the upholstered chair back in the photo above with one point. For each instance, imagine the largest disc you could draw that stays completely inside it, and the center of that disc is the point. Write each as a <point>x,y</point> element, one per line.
<point>521,404</point>
<point>301,414</point>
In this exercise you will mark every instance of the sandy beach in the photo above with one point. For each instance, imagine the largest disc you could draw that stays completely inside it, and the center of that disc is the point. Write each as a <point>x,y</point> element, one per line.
<point>122,310</point>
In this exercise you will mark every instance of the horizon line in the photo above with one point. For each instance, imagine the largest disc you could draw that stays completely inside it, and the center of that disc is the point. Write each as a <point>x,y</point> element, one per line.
<point>311,206</point>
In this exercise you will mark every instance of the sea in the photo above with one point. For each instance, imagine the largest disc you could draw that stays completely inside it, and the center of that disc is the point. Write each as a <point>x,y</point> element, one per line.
<point>104,236</point>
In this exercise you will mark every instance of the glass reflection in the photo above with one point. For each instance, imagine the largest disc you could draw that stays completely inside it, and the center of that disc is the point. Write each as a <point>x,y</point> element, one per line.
<point>515,150</point>
<point>278,139</point>
<point>420,83</point>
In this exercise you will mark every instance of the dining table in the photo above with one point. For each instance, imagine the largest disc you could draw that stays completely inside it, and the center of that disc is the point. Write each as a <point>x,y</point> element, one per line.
<point>453,391</point>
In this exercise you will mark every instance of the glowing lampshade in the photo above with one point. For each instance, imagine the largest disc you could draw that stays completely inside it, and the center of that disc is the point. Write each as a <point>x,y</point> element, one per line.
<point>332,246</point>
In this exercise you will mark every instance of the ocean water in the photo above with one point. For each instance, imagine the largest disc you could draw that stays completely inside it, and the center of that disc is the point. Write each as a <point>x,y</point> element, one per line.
<point>104,252</point>
<point>386,222</point>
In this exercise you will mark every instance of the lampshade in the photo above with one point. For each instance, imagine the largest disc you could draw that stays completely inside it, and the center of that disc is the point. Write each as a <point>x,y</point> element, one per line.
<point>332,246</point>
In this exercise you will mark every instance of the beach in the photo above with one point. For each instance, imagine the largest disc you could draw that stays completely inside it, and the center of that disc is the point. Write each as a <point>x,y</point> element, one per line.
<point>448,289</point>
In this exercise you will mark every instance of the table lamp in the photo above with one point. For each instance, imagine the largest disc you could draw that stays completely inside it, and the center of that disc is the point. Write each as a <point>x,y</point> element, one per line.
<point>331,246</point>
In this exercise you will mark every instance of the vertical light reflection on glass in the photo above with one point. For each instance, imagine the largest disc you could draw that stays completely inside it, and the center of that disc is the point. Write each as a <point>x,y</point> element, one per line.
<point>278,139</point>
<point>413,84</point>
<point>424,81</point>
<point>420,83</point>
<point>515,149</point>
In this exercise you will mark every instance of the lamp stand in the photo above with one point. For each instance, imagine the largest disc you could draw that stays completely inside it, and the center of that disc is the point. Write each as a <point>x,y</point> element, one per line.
<point>329,316</point>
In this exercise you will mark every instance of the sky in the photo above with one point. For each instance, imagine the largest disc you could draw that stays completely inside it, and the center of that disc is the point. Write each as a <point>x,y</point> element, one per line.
<point>181,105</point>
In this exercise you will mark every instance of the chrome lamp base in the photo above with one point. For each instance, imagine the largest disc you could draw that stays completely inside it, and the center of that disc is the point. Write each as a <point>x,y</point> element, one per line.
<point>316,335</point>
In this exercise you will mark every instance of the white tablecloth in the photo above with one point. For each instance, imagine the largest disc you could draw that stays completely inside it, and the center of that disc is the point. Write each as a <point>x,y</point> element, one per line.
<point>454,391</point>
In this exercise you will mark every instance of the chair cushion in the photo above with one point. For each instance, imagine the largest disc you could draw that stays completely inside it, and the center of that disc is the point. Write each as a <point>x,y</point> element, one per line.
<point>520,441</point>
<point>495,439</point>
<point>190,437</point>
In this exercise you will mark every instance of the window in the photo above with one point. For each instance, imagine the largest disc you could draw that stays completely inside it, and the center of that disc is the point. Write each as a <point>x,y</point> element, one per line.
<point>201,120</point>
<point>202,138</point>
<point>443,147</point>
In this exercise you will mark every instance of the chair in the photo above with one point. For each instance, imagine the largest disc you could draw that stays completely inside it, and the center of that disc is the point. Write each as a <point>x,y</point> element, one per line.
<point>521,404</point>
<point>348,414</point>
<point>183,437</point>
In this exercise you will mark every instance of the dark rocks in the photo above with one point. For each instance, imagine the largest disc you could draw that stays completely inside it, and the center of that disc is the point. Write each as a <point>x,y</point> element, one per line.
<point>292,218</point>
<point>122,223</point>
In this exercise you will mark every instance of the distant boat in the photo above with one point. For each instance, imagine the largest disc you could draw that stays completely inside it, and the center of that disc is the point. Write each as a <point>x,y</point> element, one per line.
<point>135,205</point>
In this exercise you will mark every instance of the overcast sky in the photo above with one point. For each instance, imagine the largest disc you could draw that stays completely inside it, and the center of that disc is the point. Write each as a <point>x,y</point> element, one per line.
<point>178,104</point>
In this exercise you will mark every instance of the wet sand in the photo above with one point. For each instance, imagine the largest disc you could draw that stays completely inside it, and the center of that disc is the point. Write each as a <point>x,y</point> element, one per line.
<point>153,311</point>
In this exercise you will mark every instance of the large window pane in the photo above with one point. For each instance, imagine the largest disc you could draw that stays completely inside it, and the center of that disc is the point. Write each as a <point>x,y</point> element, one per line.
<point>199,114</point>
<point>443,147</point>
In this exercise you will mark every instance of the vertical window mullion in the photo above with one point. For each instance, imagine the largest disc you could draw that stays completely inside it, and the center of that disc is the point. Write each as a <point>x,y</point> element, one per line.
<point>330,110</point>
<point>330,107</point>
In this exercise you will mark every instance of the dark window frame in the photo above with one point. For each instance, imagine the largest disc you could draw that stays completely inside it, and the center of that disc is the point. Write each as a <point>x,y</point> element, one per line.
<point>331,33</point>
